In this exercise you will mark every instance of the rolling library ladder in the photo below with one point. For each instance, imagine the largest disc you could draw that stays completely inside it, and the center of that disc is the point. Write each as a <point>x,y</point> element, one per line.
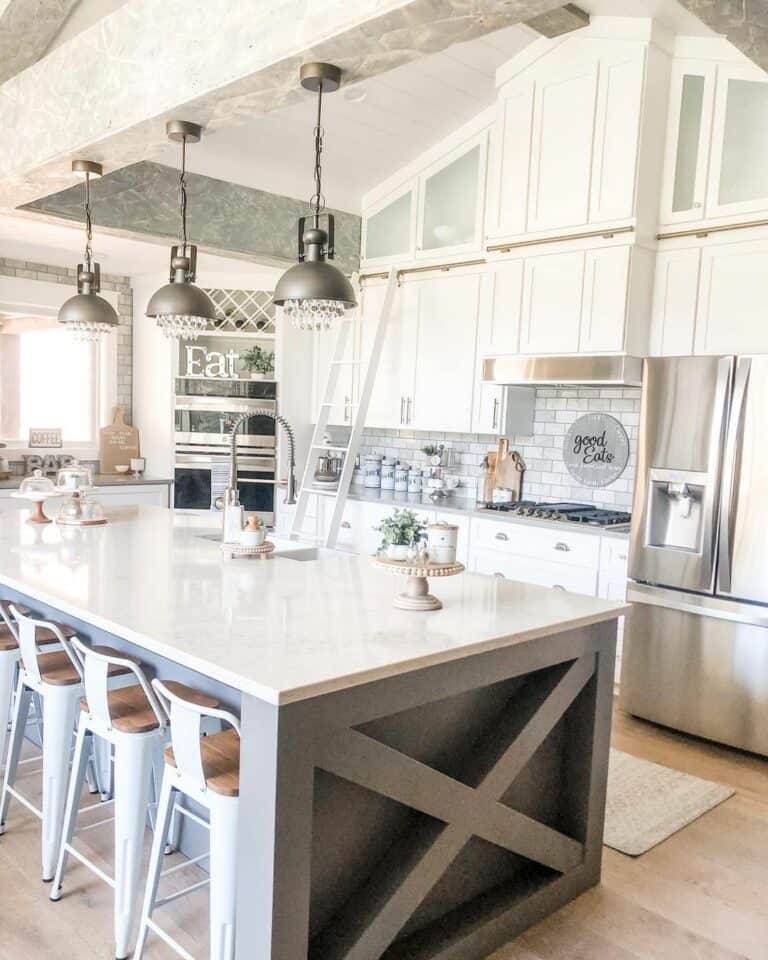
<point>338,494</point>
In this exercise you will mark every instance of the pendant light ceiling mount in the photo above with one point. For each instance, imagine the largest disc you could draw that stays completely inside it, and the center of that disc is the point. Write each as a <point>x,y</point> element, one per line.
<point>314,293</point>
<point>181,309</point>
<point>88,315</point>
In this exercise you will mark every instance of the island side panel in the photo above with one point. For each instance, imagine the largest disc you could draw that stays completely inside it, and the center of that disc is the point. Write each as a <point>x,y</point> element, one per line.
<point>475,787</point>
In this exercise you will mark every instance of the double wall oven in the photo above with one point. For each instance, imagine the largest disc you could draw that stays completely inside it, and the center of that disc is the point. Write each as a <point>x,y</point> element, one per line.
<point>205,410</point>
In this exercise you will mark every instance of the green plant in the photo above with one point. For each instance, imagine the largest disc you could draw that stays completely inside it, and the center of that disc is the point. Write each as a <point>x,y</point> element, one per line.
<point>402,528</point>
<point>258,360</point>
<point>429,450</point>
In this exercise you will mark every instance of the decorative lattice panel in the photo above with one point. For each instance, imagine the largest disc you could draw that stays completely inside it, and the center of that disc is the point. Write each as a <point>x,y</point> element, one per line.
<point>243,310</point>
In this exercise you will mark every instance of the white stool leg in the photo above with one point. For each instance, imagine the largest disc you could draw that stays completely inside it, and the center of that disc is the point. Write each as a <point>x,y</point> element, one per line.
<point>162,819</point>
<point>20,713</point>
<point>223,874</point>
<point>76,778</point>
<point>8,661</point>
<point>133,767</point>
<point>60,705</point>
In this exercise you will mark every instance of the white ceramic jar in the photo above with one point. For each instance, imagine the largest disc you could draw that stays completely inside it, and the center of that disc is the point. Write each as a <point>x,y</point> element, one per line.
<point>372,470</point>
<point>414,480</point>
<point>441,542</point>
<point>401,478</point>
<point>387,474</point>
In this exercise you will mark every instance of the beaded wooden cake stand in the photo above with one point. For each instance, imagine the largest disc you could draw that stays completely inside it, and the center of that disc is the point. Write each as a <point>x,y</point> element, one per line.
<point>417,595</point>
<point>237,551</point>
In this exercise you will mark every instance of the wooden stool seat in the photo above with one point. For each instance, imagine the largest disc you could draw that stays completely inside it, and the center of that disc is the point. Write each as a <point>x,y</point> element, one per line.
<point>58,670</point>
<point>7,639</point>
<point>131,712</point>
<point>221,761</point>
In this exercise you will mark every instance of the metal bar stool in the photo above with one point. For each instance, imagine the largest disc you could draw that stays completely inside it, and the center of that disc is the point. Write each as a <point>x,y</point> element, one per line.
<point>9,660</point>
<point>207,770</point>
<point>131,719</point>
<point>57,678</point>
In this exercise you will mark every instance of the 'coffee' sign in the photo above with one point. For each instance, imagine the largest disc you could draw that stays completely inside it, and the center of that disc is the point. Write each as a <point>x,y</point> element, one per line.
<point>596,450</point>
<point>201,362</point>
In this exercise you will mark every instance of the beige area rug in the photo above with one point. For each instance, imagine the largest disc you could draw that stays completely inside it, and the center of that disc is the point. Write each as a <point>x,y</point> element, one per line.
<point>648,803</point>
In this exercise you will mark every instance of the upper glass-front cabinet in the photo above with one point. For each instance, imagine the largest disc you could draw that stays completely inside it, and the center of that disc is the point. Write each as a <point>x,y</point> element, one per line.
<point>451,201</point>
<point>717,146</point>
<point>389,229</point>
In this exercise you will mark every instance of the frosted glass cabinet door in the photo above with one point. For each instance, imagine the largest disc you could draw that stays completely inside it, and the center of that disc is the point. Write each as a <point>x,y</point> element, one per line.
<point>451,202</point>
<point>738,182</point>
<point>389,229</point>
<point>689,130</point>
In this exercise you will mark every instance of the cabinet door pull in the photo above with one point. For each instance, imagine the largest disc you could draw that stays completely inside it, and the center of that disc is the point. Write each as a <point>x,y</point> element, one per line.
<point>347,411</point>
<point>408,410</point>
<point>502,536</point>
<point>402,410</point>
<point>622,556</point>
<point>346,525</point>
<point>499,576</point>
<point>495,424</point>
<point>559,586</point>
<point>562,546</point>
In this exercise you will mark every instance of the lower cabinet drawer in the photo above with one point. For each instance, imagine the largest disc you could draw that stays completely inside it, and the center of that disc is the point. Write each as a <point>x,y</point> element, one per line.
<point>563,545</point>
<point>560,576</point>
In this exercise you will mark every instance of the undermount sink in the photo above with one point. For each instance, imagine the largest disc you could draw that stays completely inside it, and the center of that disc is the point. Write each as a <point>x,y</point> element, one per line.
<point>294,551</point>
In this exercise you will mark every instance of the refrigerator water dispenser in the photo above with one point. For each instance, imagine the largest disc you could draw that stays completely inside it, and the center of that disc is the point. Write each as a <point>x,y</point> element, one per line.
<point>676,514</point>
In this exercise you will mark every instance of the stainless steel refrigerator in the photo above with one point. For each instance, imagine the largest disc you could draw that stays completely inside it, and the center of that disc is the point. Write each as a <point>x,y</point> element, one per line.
<point>696,645</point>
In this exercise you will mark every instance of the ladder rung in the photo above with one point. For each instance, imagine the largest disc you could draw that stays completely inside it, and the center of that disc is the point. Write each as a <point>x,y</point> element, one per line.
<point>348,363</point>
<point>320,491</point>
<point>329,446</point>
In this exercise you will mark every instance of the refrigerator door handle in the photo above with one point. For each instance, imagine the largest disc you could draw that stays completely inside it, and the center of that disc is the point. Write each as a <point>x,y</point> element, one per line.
<point>731,473</point>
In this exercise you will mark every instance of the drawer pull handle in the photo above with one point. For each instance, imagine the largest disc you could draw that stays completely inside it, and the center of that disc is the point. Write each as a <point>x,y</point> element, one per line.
<point>558,586</point>
<point>622,556</point>
<point>499,576</point>
<point>346,525</point>
<point>502,536</point>
<point>562,546</point>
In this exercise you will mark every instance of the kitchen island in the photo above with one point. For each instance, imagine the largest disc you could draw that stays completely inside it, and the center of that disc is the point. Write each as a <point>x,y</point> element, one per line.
<point>412,784</point>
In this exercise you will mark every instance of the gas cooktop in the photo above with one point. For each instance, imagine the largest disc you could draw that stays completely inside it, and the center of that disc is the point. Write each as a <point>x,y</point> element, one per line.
<point>572,512</point>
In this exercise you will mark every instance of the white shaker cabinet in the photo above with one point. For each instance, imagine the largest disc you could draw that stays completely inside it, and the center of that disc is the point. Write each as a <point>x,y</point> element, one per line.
<point>393,385</point>
<point>441,398</point>
<point>509,160</point>
<point>675,298</point>
<point>563,114</point>
<point>389,228</point>
<point>553,286</point>
<point>732,297</point>
<point>604,308</point>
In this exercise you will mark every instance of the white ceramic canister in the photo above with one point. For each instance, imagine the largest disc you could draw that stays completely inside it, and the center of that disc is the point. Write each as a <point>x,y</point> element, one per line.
<point>401,478</point>
<point>414,480</point>
<point>441,542</point>
<point>372,470</point>
<point>387,474</point>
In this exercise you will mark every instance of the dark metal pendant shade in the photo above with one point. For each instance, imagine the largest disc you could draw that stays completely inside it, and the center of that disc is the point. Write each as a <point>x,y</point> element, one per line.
<point>181,299</point>
<point>314,280</point>
<point>88,311</point>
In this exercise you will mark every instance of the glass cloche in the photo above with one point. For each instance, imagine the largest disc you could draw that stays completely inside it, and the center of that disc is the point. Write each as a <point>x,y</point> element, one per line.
<point>74,477</point>
<point>36,486</point>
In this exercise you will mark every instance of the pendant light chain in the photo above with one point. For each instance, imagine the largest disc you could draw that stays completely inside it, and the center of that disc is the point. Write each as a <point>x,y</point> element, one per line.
<point>317,202</point>
<point>183,197</point>
<point>88,256</point>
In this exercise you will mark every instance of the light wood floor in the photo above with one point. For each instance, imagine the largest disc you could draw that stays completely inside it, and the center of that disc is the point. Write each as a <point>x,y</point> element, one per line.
<point>701,895</point>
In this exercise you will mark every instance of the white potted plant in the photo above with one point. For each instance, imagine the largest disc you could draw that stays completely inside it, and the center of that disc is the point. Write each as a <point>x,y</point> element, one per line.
<point>399,532</point>
<point>260,363</point>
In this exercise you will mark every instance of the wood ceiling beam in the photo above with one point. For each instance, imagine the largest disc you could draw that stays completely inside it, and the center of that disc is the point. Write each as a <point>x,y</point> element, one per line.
<point>27,29</point>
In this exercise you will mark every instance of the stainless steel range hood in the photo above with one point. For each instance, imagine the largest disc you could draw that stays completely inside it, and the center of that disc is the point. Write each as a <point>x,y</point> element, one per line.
<point>590,371</point>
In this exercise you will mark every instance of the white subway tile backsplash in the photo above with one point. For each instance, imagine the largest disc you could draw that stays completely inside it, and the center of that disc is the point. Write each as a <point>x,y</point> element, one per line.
<point>546,476</point>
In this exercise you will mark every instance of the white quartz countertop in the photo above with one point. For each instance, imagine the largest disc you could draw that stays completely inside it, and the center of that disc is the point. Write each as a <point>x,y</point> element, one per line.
<point>278,629</point>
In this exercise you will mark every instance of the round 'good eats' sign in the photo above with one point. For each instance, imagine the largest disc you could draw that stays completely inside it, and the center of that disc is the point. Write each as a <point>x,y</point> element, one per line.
<point>596,449</point>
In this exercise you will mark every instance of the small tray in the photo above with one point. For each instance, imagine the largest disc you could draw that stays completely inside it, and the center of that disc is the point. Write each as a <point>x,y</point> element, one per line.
<point>81,523</point>
<point>239,551</point>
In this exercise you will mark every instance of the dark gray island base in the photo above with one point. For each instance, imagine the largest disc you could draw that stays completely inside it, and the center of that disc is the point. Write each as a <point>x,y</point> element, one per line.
<point>435,814</point>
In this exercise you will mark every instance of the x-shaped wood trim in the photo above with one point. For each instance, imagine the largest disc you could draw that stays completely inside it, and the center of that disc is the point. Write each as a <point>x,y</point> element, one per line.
<point>392,899</point>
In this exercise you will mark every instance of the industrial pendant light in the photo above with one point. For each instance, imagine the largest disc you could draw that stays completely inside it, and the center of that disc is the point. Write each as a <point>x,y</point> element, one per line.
<point>182,310</point>
<point>87,314</point>
<point>314,293</point>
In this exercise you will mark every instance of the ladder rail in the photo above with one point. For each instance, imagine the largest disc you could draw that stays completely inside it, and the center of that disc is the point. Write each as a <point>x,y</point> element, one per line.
<point>358,422</point>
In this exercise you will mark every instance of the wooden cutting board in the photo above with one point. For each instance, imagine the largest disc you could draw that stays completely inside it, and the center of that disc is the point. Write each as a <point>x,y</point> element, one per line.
<point>118,443</point>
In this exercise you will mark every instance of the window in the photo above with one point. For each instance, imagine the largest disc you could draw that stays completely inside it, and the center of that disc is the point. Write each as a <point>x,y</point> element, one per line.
<point>47,379</point>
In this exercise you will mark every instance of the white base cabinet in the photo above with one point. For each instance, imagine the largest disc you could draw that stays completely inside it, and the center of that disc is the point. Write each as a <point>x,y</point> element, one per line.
<point>124,495</point>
